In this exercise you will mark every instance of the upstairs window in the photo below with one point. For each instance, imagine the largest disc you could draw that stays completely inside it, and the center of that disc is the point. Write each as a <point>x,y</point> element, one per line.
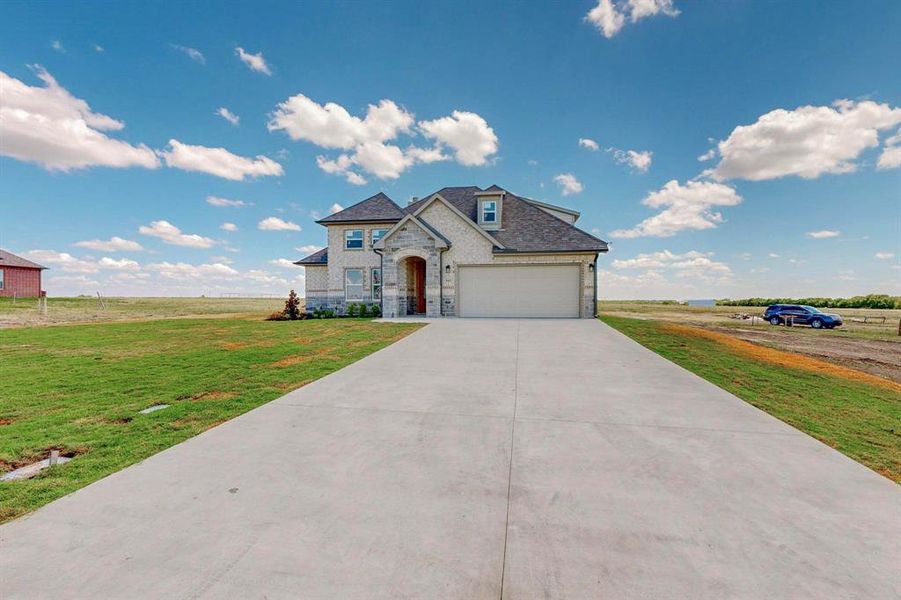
<point>489,211</point>
<point>378,234</point>
<point>353,239</point>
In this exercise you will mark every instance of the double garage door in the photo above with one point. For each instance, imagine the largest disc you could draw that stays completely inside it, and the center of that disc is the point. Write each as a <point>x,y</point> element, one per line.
<point>518,291</point>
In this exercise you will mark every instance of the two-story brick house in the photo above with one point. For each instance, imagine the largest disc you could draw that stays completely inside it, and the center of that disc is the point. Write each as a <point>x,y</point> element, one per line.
<point>461,251</point>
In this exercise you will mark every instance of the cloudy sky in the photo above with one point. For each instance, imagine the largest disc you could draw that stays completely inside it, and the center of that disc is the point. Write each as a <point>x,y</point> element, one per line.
<point>723,148</point>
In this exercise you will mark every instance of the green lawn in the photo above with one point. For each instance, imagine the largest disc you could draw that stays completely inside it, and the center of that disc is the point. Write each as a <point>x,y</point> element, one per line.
<point>80,387</point>
<point>858,419</point>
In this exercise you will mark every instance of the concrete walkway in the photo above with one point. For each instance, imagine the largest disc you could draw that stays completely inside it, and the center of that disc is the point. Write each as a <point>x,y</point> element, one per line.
<point>478,459</point>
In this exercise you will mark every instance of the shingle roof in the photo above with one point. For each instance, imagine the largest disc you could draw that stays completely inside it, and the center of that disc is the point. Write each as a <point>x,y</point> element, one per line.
<point>317,258</point>
<point>8,259</point>
<point>525,227</point>
<point>378,208</point>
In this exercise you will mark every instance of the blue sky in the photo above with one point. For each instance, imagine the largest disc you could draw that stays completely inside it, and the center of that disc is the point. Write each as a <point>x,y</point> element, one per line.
<point>110,127</point>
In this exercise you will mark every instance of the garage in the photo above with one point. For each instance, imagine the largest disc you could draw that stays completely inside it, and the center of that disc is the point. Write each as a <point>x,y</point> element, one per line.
<point>518,291</point>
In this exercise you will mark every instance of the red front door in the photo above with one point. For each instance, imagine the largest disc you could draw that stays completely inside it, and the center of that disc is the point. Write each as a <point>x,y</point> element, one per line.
<point>420,286</point>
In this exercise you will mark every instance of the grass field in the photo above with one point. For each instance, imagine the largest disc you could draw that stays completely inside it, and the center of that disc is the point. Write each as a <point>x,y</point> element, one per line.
<point>855,413</point>
<point>86,309</point>
<point>78,388</point>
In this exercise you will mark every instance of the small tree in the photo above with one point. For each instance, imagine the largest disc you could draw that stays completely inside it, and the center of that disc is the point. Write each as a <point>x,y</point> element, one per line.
<point>364,310</point>
<point>292,306</point>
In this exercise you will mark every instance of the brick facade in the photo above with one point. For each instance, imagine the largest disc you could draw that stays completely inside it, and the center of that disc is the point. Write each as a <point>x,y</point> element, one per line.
<point>21,282</point>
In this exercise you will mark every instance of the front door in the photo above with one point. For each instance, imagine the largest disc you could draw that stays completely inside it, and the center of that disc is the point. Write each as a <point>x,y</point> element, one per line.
<point>420,286</point>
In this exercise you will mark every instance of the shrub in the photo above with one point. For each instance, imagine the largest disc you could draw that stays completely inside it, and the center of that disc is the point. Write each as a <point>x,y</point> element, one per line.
<point>375,310</point>
<point>352,310</point>
<point>292,306</point>
<point>277,316</point>
<point>364,310</point>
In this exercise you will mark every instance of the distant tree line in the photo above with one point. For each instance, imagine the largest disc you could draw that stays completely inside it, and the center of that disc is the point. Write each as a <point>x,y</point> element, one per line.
<point>868,301</point>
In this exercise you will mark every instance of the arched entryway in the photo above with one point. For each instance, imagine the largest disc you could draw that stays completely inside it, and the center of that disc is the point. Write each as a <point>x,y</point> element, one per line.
<point>411,286</point>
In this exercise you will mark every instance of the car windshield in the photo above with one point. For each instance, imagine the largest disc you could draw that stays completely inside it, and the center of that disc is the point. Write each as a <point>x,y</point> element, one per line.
<point>812,309</point>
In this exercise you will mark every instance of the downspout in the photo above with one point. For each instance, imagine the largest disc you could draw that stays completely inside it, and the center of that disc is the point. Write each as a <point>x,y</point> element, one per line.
<point>382,271</point>
<point>441,282</point>
<point>595,286</point>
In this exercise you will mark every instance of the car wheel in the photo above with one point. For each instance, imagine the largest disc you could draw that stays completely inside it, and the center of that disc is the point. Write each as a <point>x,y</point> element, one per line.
<point>816,324</point>
<point>774,320</point>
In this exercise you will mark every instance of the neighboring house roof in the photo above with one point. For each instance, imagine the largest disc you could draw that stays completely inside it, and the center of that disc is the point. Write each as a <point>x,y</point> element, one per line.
<point>317,258</point>
<point>378,208</point>
<point>8,259</point>
<point>524,227</point>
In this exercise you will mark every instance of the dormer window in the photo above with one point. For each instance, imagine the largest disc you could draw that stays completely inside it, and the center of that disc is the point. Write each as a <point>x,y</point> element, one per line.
<point>489,211</point>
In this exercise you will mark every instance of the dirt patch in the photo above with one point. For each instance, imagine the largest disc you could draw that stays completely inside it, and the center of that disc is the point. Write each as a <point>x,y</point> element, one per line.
<point>782,358</point>
<point>290,361</point>
<point>877,357</point>
<point>6,465</point>
<point>233,345</point>
<point>5,422</point>
<point>213,395</point>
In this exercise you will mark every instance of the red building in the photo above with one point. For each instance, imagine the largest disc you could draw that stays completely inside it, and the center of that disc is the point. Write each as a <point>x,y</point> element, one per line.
<point>19,277</point>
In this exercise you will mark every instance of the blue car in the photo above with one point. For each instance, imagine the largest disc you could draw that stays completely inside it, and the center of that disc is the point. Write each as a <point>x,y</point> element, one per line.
<point>798,314</point>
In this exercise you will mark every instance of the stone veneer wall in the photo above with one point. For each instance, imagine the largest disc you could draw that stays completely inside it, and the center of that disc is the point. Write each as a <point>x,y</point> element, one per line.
<point>409,240</point>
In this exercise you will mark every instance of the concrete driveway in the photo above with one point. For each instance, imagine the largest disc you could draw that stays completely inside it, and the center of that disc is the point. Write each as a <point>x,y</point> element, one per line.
<point>478,459</point>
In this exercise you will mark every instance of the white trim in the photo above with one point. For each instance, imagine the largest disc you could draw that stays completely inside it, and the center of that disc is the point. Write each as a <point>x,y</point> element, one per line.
<point>348,239</point>
<point>362,271</point>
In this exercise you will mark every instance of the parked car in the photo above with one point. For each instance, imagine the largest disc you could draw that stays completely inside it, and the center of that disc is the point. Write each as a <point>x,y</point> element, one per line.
<point>796,314</point>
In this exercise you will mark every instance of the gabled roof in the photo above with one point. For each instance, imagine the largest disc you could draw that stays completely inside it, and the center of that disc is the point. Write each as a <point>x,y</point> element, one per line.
<point>317,258</point>
<point>421,206</point>
<point>375,209</point>
<point>524,226</point>
<point>8,259</point>
<point>442,242</point>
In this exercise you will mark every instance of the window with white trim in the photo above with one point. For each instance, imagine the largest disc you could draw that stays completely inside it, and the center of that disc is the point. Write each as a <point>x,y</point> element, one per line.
<point>376,283</point>
<point>1,279</point>
<point>378,234</point>
<point>353,284</point>
<point>489,211</point>
<point>353,239</point>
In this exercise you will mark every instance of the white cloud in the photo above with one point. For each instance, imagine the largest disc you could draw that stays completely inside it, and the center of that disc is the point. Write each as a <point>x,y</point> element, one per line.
<point>58,46</point>
<point>589,143</point>
<point>192,272</point>
<point>122,264</point>
<point>63,261</point>
<point>568,183</point>
<point>890,158</point>
<point>807,141</point>
<point>774,255</point>
<point>284,263</point>
<point>310,249</point>
<point>884,255</point>
<point>365,141</point>
<point>224,202</point>
<point>709,155</point>
<point>609,17</point>
<point>468,134</point>
<point>276,224</point>
<point>219,162</point>
<point>638,160</point>
<point>684,207</point>
<point>825,233</point>
<point>114,244</point>
<point>170,234</point>
<point>335,208</point>
<point>192,53</point>
<point>690,264</point>
<point>228,115</point>
<point>51,127</point>
<point>98,48</point>
<point>256,62</point>
<point>228,227</point>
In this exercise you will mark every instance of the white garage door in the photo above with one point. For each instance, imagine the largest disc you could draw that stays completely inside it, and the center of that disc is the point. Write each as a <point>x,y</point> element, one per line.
<point>518,291</point>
